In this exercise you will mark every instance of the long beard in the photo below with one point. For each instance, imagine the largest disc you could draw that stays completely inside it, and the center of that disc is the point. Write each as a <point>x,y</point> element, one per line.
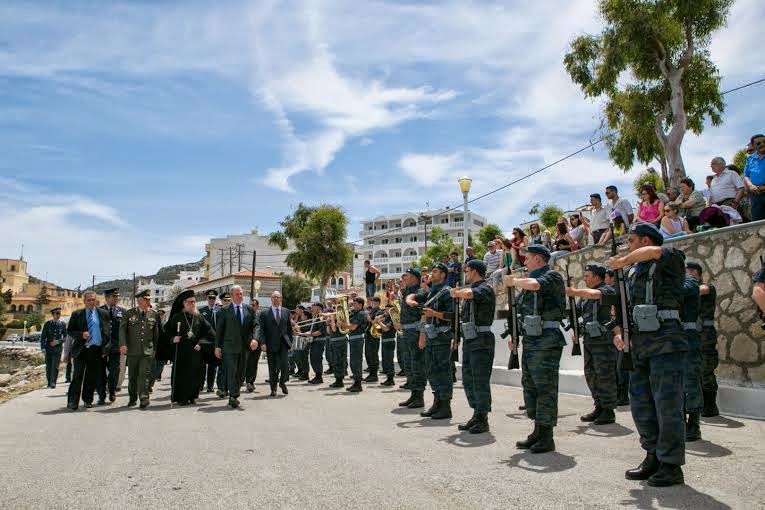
<point>192,312</point>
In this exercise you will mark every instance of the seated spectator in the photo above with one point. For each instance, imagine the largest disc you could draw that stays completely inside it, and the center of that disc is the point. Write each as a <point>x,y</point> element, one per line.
<point>622,205</point>
<point>598,225</point>
<point>754,177</point>
<point>538,236</point>
<point>511,258</point>
<point>726,186</point>
<point>690,202</point>
<point>672,194</point>
<point>619,228</point>
<point>563,243</point>
<point>673,225</point>
<point>650,208</point>
<point>518,243</point>
<point>577,230</point>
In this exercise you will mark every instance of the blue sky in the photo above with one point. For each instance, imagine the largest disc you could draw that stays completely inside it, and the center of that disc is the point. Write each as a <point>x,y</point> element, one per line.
<point>132,132</point>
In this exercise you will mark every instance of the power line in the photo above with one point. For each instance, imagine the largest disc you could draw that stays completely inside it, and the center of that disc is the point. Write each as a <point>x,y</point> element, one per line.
<point>531,174</point>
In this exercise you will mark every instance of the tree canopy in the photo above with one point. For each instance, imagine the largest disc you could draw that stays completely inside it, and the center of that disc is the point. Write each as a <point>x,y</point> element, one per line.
<point>549,215</point>
<point>295,290</point>
<point>440,244</point>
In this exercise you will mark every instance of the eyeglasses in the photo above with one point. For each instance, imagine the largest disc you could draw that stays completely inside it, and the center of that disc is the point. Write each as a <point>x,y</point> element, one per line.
<point>668,210</point>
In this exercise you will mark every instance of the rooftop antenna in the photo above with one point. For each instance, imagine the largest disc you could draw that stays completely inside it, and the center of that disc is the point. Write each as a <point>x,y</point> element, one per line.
<point>22,252</point>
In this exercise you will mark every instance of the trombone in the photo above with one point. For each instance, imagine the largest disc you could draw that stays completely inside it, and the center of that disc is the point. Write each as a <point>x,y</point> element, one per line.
<point>323,317</point>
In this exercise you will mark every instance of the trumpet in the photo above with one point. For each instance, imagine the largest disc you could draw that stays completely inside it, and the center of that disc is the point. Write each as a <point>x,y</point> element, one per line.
<point>323,318</point>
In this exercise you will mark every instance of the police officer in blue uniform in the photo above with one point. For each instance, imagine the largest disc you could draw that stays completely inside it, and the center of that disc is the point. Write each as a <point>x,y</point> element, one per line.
<point>52,342</point>
<point>209,312</point>
<point>112,365</point>
<point>413,357</point>
<point>689,316</point>
<point>708,336</point>
<point>657,346</point>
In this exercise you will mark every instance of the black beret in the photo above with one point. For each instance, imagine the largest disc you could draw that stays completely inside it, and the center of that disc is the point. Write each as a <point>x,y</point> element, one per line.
<point>376,298</point>
<point>441,267</point>
<point>610,272</point>
<point>648,230</point>
<point>694,265</point>
<point>112,292</point>
<point>143,294</point>
<point>477,265</point>
<point>211,293</point>
<point>318,304</point>
<point>539,250</point>
<point>414,271</point>
<point>596,269</point>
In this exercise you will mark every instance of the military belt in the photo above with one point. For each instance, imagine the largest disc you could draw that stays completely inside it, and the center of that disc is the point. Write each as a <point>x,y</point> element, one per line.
<point>442,329</point>
<point>338,338</point>
<point>551,325</point>
<point>356,337</point>
<point>483,329</point>
<point>388,339</point>
<point>668,315</point>
<point>690,325</point>
<point>708,323</point>
<point>319,338</point>
<point>413,325</point>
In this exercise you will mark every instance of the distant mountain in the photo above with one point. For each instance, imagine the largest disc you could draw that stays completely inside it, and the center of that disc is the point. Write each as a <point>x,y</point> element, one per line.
<point>165,276</point>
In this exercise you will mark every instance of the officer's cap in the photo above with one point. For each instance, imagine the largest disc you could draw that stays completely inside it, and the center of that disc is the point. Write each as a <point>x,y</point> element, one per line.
<point>441,267</point>
<point>318,304</point>
<point>478,266</point>
<point>225,295</point>
<point>539,250</point>
<point>414,272</point>
<point>112,292</point>
<point>56,310</point>
<point>596,270</point>
<point>376,298</point>
<point>695,266</point>
<point>145,293</point>
<point>212,293</point>
<point>648,230</point>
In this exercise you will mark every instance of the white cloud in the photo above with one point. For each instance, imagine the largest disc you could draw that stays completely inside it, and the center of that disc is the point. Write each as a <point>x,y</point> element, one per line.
<point>427,169</point>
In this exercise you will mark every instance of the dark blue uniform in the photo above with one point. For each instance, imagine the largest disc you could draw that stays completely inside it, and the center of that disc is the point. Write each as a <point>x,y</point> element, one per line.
<point>356,343</point>
<point>112,365</point>
<point>478,353</point>
<point>438,350</point>
<point>53,331</point>
<point>413,358</point>
<point>689,315</point>
<point>372,347</point>
<point>599,351</point>
<point>207,370</point>
<point>318,341</point>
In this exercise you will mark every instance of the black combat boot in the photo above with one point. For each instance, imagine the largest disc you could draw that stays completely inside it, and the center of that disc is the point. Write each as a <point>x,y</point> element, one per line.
<point>355,387</point>
<point>530,440</point>
<point>470,422</point>
<point>693,428</point>
<point>667,475</point>
<point>417,401</point>
<point>444,411</point>
<point>408,401</point>
<point>622,398</point>
<point>606,416</point>
<point>433,408</point>
<point>405,386</point>
<point>710,405</point>
<point>593,415</point>
<point>645,470</point>
<point>337,384</point>
<point>372,377</point>
<point>481,424</point>
<point>388,382</point>
<point>545,442</point>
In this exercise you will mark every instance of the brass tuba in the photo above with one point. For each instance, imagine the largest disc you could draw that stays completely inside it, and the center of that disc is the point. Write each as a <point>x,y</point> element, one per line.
<point>395,310</point>
<point>342,314</point>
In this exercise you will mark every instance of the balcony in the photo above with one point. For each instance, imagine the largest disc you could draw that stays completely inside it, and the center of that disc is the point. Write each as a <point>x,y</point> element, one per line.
<point>409,258</point>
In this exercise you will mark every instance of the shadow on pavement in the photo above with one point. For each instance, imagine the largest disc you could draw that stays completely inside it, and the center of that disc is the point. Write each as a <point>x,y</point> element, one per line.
<point>468,440</point>
<point>611,430</point>
<point>706,449</point>
<point>405,411</point>
<point>722,422</point>
<point>220,409</point>
<point>552,462</point>
<point>62,410</point>
<point>518,416</point>
<point>267,397</point>
<point>424,423</point>
<point>678,496</point>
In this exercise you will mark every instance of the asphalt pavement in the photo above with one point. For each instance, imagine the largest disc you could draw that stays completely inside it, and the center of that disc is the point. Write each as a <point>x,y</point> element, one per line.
<point>327,449</point>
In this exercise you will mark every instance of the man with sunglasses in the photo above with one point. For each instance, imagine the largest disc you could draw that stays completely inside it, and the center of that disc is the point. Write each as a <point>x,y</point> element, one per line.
<point>754,177</point>
<point>52,342</point>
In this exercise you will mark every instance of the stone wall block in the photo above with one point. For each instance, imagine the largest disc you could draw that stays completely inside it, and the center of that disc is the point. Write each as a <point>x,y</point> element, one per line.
<point>739,303</point>
<point>743,349</point>
<point>703,249</point>
<point>730,372</point>
<point>724,285</point>
<point>762,232</point>
<point>751,245</point>
<point>756,374</point>
<point>743,280</point>
<point>735,258</point>
<point>728,325</point>
<point>716,261</point>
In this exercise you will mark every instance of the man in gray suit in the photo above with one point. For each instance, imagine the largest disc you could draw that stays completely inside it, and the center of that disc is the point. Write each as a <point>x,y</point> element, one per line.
<point>233,333</point>
<point>273,334</point>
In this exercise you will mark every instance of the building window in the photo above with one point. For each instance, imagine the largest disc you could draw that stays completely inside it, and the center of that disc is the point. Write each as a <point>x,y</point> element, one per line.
<point>444,221</point>
<point>398,225</point>
<point>384,241</point>
<point>369,227</point>
<point>398,239</point>
<point>372,241</point>
<point>13,308</point>
<point>458,218</point>
<point>413,239</point>
<point>341,282</point>
<point>13,269</point>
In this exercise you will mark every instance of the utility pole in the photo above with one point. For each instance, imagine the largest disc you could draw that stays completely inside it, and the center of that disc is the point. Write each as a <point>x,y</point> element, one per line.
<point>230,260</point>
<point>239,252</point>
<point>135,290</point>
<point>94,283</point>
<point>252,278</point>
<point>222,251</point>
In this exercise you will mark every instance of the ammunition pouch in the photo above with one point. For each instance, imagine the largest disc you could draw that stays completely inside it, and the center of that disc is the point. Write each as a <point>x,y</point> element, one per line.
<point>532,325</point>
<point>469,330</point>
<point>593,329</point>
<point>646,318</point>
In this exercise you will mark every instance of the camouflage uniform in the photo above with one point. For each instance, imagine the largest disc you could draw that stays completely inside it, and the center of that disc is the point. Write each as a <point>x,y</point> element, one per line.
<point>657,381</point>
<point>599,351</point>
<point>139,332</point>
<point>540,359</point>
<point>478,354</point>
<point>438,351</point>
<point>689,314</point>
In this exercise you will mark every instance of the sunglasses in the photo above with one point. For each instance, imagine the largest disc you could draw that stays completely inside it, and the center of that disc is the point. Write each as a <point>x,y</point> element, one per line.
<point>668,210</point>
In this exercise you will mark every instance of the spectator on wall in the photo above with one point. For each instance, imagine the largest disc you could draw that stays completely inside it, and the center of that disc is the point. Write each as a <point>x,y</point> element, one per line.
<point>690,202</point>
<point>726,186</point>
<point>754,177</point>
<point>619,204</point>
<point>537,236</point>
<point>598,225</point>
<point>672,225</point>
<point>650,208</point>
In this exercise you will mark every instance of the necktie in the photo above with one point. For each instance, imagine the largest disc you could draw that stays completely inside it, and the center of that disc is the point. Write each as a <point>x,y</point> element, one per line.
<point>277,314</point>
<point>90,322</point>
<point>239,313</point>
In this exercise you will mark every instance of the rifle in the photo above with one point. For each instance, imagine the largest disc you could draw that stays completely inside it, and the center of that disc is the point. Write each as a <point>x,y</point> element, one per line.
<point>573,319</point>
<point>455,357</point>
<point>512,326</point>
<point>762,314</point>
<point>621,284</point>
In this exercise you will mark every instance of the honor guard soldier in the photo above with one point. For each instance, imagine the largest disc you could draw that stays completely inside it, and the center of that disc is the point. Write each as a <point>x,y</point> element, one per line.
<point>207,370</point>
<point>437,335</point>
<point>52,343</point>
<point>112,366</point>
<point>478,343</point>
<point>708,337</point>
<point>599,350</point>
<point>542,302</point>
<point>689,316</point>
<point>357,325</point>
<point>414,358</point>
<point>657,346</point>
<point>371,344</point>
<point>139,334</point>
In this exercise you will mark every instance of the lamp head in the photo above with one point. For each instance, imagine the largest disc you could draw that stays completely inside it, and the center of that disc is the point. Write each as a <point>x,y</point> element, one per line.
<point>465,184</point>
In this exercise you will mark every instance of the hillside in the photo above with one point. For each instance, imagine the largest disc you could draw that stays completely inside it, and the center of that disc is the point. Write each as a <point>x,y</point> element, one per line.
<point>164,275</point>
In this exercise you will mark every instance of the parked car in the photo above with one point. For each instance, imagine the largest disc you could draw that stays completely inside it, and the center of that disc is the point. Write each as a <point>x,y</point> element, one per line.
<point>12,338</point>
<point>34,337</point>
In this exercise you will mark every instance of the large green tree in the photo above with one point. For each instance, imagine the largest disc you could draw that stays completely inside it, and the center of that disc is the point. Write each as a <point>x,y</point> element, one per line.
<point>652,66</point>
<point>488,232</point>
<point>295,290</point>
<point>440,244</point>
<point>549,215</point>
<point>318,234</point>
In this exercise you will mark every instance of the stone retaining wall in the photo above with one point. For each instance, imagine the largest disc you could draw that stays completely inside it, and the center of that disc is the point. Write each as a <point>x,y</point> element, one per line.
<point>730,256</point>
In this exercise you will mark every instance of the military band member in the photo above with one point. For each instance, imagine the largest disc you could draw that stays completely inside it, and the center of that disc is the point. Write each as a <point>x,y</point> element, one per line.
<point>709,354</point>
<point>388,342</point>
<point>598,348</point>
<point>371,344</point>
<point>542,302</point>
<point>657,346</point>
<point>338,342</point>
<point>112,366</point>
<point>301,356</point>
<point>91,341</point>
<point>356,327</point>
<point>139,334</point>
<point>52,342</point>
<point>318,334</point>
<point>478,343</point>
<point>438,336</point>
<point>414,358</point>
<point>689,316</point>
<point>209,368</point>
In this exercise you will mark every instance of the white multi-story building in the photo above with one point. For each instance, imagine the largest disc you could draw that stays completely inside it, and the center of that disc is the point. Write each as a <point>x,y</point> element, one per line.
<point>393,242</point>
<point>159,292</point>
<point>232,254</point>
<point>188,278</point>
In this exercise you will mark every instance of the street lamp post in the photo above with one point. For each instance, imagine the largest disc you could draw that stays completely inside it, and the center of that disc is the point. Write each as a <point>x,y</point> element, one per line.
<point>465,189</point>
<point>257,288</point>
<point>24,334</point>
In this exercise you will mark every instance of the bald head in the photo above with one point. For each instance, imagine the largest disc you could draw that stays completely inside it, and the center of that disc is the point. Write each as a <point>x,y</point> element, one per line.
<point>276,298</point>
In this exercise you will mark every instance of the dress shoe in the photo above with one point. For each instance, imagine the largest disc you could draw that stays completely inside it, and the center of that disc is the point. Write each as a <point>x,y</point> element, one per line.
<point>469,423</point>
<point>355,387</point>
<point>645,470</point>
<point>112,397</point>
<point>388,382</point>
<point>545,442</point>
<point>132,403</point>
<point>693,427</point>
<point>233,402</point>
<point>284,388</point>
<point>444,411</point>
<point>591,416</point>
<point>481,424</point>
<point>337,384</point>
<point>250,387</point>
<point>101,402</point>
<point>606,417</point>
<point>432,409</point>
<point>316,380</point>
<point>667,475</point>
<point>304,377</point>
<point>53,386</point>
<point>221,394</point>
<point>88,405</point>
<point>144,403</point>
<point>417,401</point>
<point>328,371</point>
<point>522,407</point>
<point>372,377</point>
<point>273,392</point>
<point>400,373</point>
<point>72,407</point>
<point>530,440</point>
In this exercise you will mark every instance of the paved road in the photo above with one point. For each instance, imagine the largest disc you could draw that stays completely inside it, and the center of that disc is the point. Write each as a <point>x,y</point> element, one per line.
<point>328,449</point>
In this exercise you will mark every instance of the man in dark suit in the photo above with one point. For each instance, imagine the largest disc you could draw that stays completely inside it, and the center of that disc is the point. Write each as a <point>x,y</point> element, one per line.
<point>233,333</point>
<point>209,312</point>
<point>274,336</point>
<point>91,332</point>
<point>112,366</point>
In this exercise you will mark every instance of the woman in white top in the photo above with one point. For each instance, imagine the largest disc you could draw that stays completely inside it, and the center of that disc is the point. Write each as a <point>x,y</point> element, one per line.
<point>577,230</point>
<point>673,225</point>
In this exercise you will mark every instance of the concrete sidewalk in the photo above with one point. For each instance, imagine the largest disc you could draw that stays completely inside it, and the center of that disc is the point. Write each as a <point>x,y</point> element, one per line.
<point>329,449</point>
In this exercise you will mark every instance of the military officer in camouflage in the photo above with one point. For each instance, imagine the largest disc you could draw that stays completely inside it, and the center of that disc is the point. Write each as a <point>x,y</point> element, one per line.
<point>689,316</point>
<point>478,346</point>
<point>414,358</point>
<point>542,302</point>
<point>708,335</point>
<point>139,333</point>
<point>438,335</point>
<point>52,342</point>
<point>599,350</point>
<point>657,346</point>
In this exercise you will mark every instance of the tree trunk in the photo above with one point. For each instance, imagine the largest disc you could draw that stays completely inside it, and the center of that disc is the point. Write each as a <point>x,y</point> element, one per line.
<point>674,138</point>
<point>323,289</point>
<point>664,173</point>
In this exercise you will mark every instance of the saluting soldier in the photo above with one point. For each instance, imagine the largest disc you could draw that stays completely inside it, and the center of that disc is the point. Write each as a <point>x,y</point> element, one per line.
<point>478,343</point>
<point>357,325</point>
<point>208,368</point>
<point>542,302</point>
<point>112,366</point>
<point>709,354</point>
<point>371,344</point>
<point>413,357</point>
<point>139,334</point>
<point>52,342</point>
<point>318,334</point>
<point>657,347</point>
<point>598,348</point>
<point>689,316</point>
<point>438,336</point>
